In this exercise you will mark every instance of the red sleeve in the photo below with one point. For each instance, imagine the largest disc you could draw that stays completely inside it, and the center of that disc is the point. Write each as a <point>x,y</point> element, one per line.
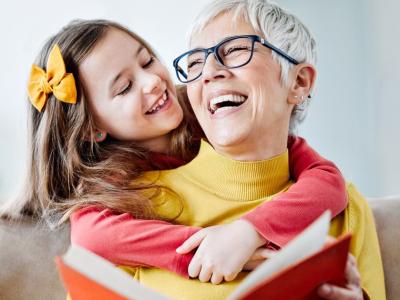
<point>319,186</point>
<point>124,240</point>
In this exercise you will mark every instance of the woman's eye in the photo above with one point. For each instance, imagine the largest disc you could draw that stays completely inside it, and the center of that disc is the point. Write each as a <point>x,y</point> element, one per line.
<point>237,49</point>
<point>126,89</point>
<point>149,63</point>
<point>193,63</point>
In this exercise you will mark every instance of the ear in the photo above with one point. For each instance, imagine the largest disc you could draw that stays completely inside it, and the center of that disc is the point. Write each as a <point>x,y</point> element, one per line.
<point>303,83</point>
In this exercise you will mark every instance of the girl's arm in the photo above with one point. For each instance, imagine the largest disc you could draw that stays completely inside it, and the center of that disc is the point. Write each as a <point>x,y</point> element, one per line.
<point>319,186</point>
<point>127,241</point>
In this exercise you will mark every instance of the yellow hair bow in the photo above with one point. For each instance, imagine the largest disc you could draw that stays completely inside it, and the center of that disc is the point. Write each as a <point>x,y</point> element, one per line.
<point>55,80</point>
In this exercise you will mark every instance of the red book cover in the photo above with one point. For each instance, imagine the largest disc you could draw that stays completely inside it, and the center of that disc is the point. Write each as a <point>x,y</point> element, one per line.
<point>300,281</point>
<point>79,285</point>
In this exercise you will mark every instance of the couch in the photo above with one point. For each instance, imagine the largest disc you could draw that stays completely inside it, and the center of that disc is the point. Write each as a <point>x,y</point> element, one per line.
<point>27,269</point>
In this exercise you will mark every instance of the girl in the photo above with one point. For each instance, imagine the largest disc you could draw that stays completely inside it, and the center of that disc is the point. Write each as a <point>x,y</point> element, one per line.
<point>109,115</point>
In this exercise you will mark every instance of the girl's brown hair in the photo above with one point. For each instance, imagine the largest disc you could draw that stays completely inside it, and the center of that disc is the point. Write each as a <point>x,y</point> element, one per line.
<point>65,170</point>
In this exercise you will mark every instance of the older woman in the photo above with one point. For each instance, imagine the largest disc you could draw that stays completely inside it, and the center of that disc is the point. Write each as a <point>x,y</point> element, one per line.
<point>249,74</point>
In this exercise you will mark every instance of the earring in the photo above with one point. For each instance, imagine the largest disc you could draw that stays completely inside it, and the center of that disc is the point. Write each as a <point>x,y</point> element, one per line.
<point>296,97</point>
<point>99,137</point>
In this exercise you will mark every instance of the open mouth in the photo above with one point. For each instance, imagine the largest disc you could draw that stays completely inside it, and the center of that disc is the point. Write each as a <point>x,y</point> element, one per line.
<point>159,104</point>
<point>225,102</point>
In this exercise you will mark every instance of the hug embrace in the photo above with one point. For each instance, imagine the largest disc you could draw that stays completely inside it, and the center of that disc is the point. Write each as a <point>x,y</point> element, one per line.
<point>188,188</point>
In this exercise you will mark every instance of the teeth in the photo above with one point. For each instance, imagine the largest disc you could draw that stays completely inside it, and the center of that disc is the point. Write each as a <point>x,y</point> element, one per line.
<point>223,98</point>
<point>159,103</point>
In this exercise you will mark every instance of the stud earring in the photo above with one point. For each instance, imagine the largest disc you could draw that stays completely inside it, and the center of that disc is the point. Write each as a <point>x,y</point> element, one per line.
<point>100,136</point>
<point>296,97</point>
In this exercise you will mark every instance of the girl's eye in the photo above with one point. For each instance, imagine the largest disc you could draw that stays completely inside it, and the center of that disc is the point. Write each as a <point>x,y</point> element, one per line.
<point>126,89</point>
<point>149,63</point>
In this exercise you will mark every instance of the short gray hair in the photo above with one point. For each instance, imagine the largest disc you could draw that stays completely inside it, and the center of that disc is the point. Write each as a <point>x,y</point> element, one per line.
<point>279,27</point>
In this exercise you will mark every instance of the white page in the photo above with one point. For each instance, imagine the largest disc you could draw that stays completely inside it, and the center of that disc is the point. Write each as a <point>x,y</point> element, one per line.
<point>310,241</point>
<point>104,272</point>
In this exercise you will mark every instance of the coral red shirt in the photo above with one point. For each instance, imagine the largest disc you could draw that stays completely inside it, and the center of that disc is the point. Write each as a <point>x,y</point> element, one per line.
<point>125,240</point>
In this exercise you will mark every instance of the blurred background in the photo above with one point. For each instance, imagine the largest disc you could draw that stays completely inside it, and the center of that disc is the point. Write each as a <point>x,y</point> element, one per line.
<point>354,115</point>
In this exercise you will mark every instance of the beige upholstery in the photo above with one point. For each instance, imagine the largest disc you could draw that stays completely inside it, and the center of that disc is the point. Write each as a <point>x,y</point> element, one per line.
<point>387,219</point>
<point>27,251</point>
<point>27,269</point>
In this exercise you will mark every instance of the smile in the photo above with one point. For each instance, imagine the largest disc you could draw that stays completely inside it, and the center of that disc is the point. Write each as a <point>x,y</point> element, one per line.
<point>225,102</point>
<point>162,102</point>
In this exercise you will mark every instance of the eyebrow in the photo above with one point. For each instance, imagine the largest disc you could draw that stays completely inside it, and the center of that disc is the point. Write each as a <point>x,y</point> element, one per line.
<point>115,79</point>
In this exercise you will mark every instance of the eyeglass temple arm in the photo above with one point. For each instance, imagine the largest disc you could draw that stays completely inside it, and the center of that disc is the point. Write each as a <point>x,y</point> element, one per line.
<point>279,51</point>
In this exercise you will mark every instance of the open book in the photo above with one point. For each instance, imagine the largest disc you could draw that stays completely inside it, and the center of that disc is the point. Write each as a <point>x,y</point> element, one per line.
<point>292,273</point>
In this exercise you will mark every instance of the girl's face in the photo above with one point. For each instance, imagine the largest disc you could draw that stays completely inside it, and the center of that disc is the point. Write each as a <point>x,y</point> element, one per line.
<point>130,93</point>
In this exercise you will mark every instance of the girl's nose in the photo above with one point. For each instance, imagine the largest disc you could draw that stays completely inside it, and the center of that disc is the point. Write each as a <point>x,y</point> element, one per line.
<point>152,83</point>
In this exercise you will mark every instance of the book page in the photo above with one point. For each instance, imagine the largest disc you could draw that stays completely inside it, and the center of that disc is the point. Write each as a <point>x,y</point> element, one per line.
<point>107,274</point>
<point>310,241</point>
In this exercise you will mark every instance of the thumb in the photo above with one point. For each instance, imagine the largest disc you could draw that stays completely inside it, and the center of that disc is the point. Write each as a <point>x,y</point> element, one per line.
<point>329,240</point>
<point>262,253</point>
<point>252,264</point>
<point>191,243</point>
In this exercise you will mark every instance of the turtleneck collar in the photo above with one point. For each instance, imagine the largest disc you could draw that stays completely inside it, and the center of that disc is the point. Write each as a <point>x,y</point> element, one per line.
<point>241,181</point>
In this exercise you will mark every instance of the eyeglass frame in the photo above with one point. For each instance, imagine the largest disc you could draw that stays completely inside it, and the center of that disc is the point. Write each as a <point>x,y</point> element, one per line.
<point>214,50</point>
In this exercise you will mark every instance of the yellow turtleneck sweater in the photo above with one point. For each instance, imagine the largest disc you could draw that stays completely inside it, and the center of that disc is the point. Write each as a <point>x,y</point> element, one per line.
<point>213,189</point>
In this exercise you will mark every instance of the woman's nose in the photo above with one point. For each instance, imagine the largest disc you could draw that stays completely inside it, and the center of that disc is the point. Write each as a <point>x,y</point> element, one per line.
<point>213,70</point>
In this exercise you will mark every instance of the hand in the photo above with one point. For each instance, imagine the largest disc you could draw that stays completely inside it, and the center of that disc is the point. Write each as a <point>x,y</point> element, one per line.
<point>352,291</point>
<point>222,250</point>
<point>258,257</point>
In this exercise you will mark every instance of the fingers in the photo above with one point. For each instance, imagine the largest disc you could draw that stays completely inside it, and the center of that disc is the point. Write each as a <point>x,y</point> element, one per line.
<point>194,267</point>
<point>352,291</point>
<point>216,278</point>
<point>205,274</point>
<point>191,243</point>
<point>251,265</point>
<point>258,257</point>
<point>332,292</point>
<point>329,240</point>
<point>351,260</point>
<point>261,253</point>
<point>231,276</point>
<point>352,274</point>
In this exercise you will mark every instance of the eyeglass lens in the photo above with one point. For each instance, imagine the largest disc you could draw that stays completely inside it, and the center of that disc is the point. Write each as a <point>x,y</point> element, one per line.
<point>231,53</point>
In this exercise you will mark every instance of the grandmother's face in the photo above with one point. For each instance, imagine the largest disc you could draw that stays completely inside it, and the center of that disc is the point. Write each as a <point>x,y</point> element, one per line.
<point>255,109</point>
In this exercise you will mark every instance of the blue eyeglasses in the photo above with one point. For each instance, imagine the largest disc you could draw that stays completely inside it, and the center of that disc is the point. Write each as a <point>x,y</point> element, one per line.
<point>232,52</point>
